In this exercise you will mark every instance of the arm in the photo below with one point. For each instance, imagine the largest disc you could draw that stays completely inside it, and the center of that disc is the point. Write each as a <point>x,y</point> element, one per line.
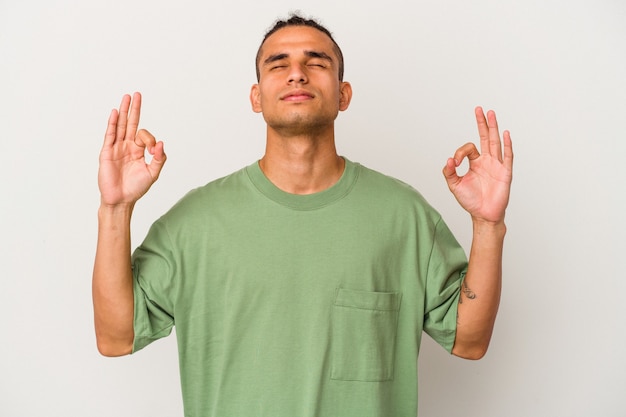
<point>484,192</point>
<point>123,178</point>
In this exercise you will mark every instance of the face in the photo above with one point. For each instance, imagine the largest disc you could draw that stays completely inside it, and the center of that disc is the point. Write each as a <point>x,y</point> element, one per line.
<point>299,90</point>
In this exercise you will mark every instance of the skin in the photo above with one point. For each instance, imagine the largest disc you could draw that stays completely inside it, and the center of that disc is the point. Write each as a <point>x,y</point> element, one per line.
<point>484,193</point>
<point>123,178</point>
<point>300,96</point>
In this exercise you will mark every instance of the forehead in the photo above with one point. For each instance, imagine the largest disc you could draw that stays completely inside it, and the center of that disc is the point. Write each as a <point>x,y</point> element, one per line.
<point>297,38</point>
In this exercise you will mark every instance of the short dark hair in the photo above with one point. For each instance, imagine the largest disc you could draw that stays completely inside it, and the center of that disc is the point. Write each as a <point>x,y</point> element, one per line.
<point>297,20</point>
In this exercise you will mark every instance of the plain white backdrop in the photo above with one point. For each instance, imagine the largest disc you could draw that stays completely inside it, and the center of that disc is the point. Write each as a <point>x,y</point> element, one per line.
<point>554,71</point>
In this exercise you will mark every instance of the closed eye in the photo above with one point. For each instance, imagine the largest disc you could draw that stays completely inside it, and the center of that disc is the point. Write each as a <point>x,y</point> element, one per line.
<point>275,61</point>
<point>319,59</point>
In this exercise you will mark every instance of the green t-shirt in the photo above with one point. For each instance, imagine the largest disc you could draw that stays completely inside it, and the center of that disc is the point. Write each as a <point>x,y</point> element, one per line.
<point>299,305</point>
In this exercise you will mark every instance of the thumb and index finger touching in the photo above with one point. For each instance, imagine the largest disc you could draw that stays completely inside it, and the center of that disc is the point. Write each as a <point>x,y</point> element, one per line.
<point>468,151</point>
<point>123,126</point>
<point>490,144</point>
<point>146,140</point>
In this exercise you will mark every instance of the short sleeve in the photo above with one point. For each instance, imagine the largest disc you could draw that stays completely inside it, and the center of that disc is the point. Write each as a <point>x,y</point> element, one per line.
<point>446,270</point>
<point>152,264</point>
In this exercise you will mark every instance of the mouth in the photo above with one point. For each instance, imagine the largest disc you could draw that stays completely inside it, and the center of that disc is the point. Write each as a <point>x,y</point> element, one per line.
<point>297,96</point>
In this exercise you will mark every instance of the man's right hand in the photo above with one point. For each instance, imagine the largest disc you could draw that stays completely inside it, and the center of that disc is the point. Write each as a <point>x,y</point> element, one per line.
<point>124,176</point>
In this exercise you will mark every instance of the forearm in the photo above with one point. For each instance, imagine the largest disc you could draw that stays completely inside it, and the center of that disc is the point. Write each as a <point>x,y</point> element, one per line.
<point>112,282</point>
<point>480,293</point>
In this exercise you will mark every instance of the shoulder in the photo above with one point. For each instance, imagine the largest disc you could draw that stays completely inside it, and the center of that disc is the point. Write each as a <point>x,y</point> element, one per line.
<point>385,187</point>
<point>221,192</point>
<point>389,196</point>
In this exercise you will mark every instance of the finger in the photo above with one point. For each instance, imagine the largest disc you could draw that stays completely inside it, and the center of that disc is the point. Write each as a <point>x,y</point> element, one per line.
<point>133,118</point>
<point>145,139</point>
<point>468,151</point>
<point>508,150</point>
<point>483,129</point>
<point>122,118</point>
<point>495,146</point>
<point>449,172</point>
<point>158,160</point>
<point>109,135</point>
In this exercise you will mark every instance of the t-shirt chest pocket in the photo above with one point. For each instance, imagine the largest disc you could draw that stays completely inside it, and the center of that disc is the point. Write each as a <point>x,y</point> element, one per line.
<point>364,326</point>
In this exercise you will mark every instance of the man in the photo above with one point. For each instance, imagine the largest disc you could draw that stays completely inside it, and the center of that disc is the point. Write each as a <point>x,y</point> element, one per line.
<point>299,285</point>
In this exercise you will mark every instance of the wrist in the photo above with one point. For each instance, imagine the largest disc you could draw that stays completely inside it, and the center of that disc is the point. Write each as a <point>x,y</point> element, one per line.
<point>124,210</point>
<point>495,228</point>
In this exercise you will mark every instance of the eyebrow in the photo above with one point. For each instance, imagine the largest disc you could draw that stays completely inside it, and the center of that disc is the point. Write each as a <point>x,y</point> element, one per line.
<point>274,58</point>
<point>310,54</point>
<point>316,54</point>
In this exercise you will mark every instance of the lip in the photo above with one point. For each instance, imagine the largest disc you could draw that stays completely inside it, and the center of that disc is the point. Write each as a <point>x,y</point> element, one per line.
<point>297,95</point>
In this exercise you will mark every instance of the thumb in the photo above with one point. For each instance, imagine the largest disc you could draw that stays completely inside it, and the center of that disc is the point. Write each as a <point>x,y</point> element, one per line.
<point>158,160</point>
<point>449,172</point>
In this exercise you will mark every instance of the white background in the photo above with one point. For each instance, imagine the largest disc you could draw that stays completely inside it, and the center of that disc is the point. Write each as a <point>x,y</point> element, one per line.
<point>553,70</point>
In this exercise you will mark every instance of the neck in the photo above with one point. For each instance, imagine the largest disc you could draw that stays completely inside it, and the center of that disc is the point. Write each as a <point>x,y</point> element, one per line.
<point>302,164</point>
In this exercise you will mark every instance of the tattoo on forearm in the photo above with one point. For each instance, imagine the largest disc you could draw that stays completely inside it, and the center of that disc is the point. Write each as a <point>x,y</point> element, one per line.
<point>467,291</point>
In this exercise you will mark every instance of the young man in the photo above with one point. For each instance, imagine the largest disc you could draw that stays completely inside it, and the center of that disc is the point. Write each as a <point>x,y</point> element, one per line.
<point>301,284</point>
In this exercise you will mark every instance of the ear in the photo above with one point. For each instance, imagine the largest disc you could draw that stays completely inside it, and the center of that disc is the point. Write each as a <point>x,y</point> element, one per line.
<point>345,96</point>
<point>255,99</point>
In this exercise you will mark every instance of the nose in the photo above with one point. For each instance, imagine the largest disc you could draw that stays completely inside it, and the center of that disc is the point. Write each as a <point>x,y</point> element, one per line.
<point>297,74</point>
